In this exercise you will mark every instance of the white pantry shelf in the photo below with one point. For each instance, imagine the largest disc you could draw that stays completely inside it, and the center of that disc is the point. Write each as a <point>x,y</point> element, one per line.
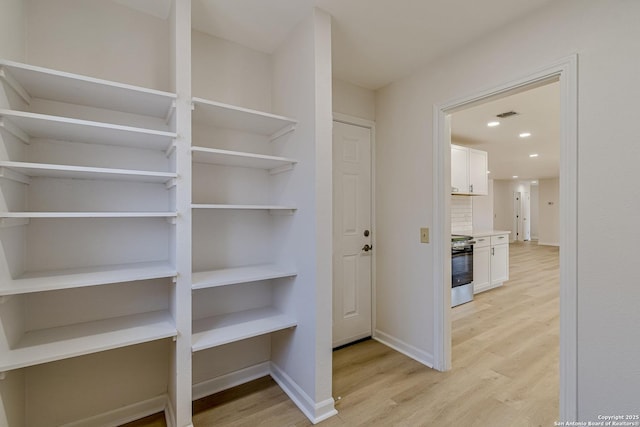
<point>232,276</point>
<point>88,214</point>
<point>238,118</point>
<point>48,345</point>
<point>82,172</point>
<point>34,125</point>
<point>44,83</point>
<point>237,158</point>
<point>227,328</point>
<point>243,207</point>
<point>41,281</point>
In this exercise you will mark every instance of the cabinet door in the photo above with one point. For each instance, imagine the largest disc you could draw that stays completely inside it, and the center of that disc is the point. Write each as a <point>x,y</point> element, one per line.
<point>459,169</point>
<point>478,165</point>
<point>499,264</point>
<point>481,268</point>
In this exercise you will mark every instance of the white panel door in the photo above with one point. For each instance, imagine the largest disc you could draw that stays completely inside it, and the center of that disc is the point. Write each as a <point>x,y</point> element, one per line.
<point>351,233</point>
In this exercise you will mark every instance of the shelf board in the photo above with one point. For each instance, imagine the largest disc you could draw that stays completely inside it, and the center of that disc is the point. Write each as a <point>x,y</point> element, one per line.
<point>88,214</point>
<point>48,345</point>
<point>232,276</point>
<point>238,118</point>
<point>61,86</point>
<point>82,172</point>
<point>227,328</point>
<point>36,125</point>
<point>243,207</point>
<point>242,159</point>
<point>72,278</point>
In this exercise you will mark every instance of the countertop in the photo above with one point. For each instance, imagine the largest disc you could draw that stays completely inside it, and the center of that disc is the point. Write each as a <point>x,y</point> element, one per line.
<point>484,233</point>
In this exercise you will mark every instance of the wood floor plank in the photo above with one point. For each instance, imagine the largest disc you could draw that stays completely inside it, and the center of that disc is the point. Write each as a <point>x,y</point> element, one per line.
<point>505,347</point>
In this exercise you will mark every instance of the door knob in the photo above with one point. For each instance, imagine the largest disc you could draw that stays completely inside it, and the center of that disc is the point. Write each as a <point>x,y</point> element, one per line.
<point>367,248</point>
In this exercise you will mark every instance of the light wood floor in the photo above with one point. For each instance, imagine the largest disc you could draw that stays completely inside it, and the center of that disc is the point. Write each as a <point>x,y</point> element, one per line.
<point>505,368</point>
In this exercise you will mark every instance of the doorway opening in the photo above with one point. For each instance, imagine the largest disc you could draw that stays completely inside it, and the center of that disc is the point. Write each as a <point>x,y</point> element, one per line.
<point>565,72</point>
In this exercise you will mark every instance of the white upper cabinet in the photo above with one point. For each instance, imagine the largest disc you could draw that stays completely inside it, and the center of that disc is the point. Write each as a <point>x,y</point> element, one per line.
<point>469,171</point>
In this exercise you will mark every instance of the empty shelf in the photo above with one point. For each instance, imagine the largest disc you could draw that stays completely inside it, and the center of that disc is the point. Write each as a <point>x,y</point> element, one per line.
<point>227,328</point>
<point>237,158</point>
<point>61,86</point>
<point>92,276</point>
<point>247,207</point>
<point>244,119</point>
<point>232,276</point>
<point>88,214</point>
<point>48,345</point>
<point>81,172</point>
<point>67,129</point>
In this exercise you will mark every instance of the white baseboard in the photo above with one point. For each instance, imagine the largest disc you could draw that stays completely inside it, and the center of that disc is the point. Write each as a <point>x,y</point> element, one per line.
<point>224,382</point>
<point>404,348</point>
<point>169,414</point>
<point>316,412</point>
<point>125,414</point>
<point>548,243</point>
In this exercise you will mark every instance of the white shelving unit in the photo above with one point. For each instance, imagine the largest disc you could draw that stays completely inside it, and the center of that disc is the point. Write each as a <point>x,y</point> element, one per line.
<point>223,329</point>
<point>48,345</point>
<point>215,156</point>
<point>26,125</point>
<point>228,116</point>
<point>236,323</point>
<point>82,172</point>
<point>244,207</point>
<point>233,276</point>
<point>30,81</point>
<point>101,260</point>
<point>71,278</point>
<point>88,214</point>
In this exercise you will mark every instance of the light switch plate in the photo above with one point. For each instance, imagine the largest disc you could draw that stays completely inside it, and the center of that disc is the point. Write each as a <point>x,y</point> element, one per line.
<point>424,235</point>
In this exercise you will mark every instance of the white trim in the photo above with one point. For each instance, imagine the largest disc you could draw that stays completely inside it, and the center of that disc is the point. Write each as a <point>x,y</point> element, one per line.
<point>170,414</point>
<point>124,414</point>
<point>315,412</point>
<point>566,70</point>
<point>371,125</point>
<point>548,243</point>
<point>235,378</point>
<point>407,349</point>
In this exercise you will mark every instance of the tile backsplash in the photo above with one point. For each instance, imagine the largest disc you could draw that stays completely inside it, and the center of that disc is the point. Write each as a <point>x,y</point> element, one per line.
<point>461,215</point>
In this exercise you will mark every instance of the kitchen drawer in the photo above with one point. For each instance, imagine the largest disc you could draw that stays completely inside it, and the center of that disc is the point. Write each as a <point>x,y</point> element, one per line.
<point>481,242</point>
<point>499,239</point>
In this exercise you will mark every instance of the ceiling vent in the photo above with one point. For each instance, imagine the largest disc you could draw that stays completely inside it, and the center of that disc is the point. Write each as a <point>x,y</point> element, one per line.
<point>507,114</point>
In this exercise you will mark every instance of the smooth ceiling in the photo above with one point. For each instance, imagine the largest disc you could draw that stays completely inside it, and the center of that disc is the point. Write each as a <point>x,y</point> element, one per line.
<point>375,42</point>
<point>539,114</point>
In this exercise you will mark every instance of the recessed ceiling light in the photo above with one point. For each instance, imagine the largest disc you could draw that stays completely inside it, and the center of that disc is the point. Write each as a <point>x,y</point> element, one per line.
<point>488,172</point>
<point>534,182</point>
<point>533,155</point>
<point>515,176</point>
<point>525,134</point>
<point>493,124</point>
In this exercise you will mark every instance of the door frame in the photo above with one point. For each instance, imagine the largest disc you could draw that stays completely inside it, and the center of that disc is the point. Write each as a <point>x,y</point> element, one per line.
<point>565,71</point>
<point>371,125</point>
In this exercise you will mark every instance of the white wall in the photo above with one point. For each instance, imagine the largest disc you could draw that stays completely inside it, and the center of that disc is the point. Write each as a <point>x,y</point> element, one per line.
<point>78,36</point>
<point>483,210</point>
<point>231,73</point>
<point>12,40</point>
<point>604,35</point>
<point>502,205</point>
<point>353,100</point>
<point>549,212</point>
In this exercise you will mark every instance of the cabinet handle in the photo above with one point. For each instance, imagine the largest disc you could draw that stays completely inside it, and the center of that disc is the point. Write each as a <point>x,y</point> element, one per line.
<point>471,188</point>
<point>493,251</point>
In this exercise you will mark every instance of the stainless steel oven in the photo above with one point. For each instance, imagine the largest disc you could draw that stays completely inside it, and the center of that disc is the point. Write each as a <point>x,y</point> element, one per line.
<point>461,269</point>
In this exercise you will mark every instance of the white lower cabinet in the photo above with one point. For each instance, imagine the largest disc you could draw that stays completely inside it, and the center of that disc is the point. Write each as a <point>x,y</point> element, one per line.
<point>481,265</point>
<point>490,262</point>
